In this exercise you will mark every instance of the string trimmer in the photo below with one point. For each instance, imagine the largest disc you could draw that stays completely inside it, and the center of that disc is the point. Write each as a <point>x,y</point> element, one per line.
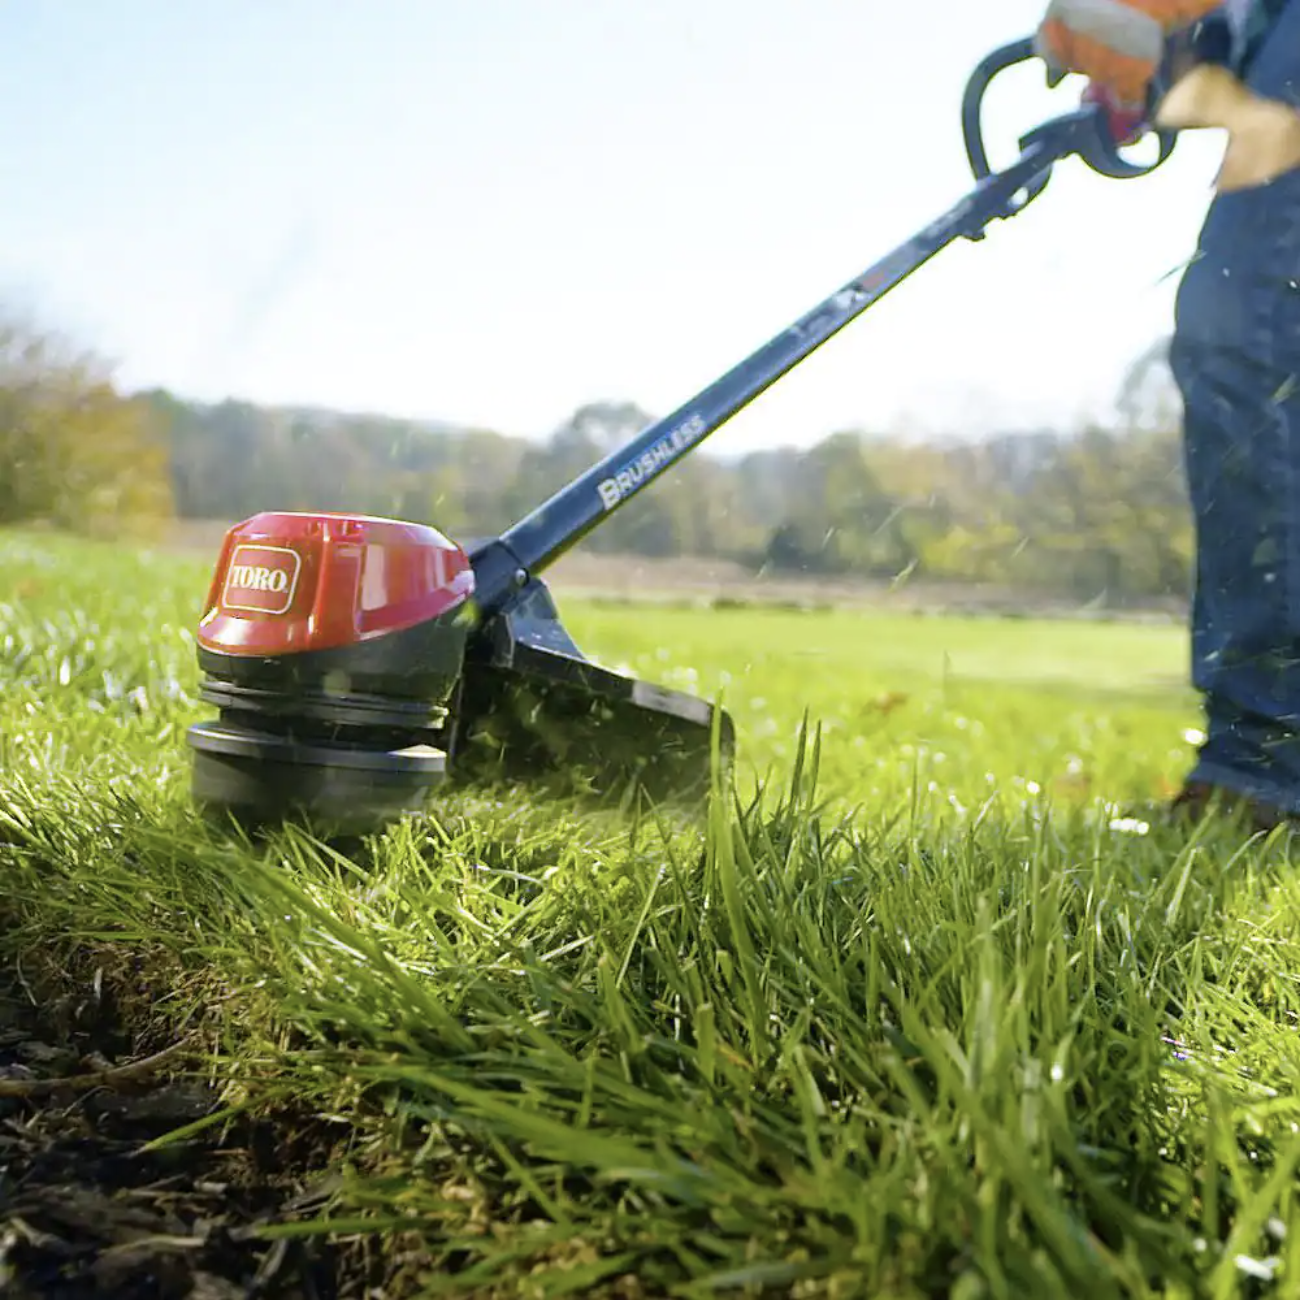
<point>356,661</point>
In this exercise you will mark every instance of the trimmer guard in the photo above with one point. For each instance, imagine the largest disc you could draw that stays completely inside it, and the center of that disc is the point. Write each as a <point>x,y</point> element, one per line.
<point>532,709</point>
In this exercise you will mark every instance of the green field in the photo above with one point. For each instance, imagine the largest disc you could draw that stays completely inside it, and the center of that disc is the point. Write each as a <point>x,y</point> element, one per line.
<point>959,1017</point>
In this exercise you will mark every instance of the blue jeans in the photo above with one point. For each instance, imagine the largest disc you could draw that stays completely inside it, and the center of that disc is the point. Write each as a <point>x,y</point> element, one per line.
<point>1236,358</point>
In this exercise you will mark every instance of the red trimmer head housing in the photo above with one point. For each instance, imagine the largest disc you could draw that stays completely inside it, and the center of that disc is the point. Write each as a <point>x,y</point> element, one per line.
<point>331,644</point>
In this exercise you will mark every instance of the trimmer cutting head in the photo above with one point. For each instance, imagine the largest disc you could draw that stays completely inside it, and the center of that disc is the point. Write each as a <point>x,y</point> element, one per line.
<point>354,671</point>
<point>330,645</point>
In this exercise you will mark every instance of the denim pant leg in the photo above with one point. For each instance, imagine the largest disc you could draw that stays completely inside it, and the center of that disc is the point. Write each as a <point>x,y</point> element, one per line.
<point>1236,359</point>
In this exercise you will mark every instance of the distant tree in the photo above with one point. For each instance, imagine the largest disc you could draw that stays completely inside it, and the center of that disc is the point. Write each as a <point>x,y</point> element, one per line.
<point>1148,398</point>
<point>842,519</point>
<point>74,452</point>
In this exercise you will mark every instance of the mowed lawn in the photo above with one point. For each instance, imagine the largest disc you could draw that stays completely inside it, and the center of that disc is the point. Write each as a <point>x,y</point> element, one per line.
<point>964,1018</point>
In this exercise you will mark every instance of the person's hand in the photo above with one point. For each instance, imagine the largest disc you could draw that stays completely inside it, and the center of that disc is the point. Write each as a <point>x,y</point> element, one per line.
<point>1116,44</point>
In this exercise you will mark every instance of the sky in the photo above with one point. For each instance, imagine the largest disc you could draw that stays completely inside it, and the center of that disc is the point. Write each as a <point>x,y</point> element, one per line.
<point>490,212</point>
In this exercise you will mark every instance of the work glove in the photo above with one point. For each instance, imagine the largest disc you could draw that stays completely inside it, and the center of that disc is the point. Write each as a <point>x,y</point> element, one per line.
<point>1118,45</point>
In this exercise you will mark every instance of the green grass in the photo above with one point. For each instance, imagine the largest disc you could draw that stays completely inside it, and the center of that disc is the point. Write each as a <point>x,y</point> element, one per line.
<point>924,1008</point>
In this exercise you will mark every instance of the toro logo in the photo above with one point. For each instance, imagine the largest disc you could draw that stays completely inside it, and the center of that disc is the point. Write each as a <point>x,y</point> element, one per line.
<point>262,579</point>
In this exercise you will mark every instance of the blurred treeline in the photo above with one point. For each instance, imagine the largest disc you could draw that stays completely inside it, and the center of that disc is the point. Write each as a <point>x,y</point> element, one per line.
<point>1092,514</point>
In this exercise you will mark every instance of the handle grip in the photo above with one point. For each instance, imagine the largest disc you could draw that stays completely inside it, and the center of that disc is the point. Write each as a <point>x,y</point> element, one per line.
<point>972,105</point>
<point>1099,149</point>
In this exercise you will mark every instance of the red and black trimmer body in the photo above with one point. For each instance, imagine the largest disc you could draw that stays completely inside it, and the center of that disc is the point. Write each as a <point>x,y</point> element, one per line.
<point>356,661</point>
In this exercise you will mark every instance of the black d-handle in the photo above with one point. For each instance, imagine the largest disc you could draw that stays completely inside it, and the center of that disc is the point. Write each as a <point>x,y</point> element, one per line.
<point>972,105</point>
<point>1096,146</point>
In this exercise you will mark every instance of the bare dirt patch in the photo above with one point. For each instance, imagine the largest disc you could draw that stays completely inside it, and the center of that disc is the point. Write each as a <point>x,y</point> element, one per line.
<point>86,1211</point>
